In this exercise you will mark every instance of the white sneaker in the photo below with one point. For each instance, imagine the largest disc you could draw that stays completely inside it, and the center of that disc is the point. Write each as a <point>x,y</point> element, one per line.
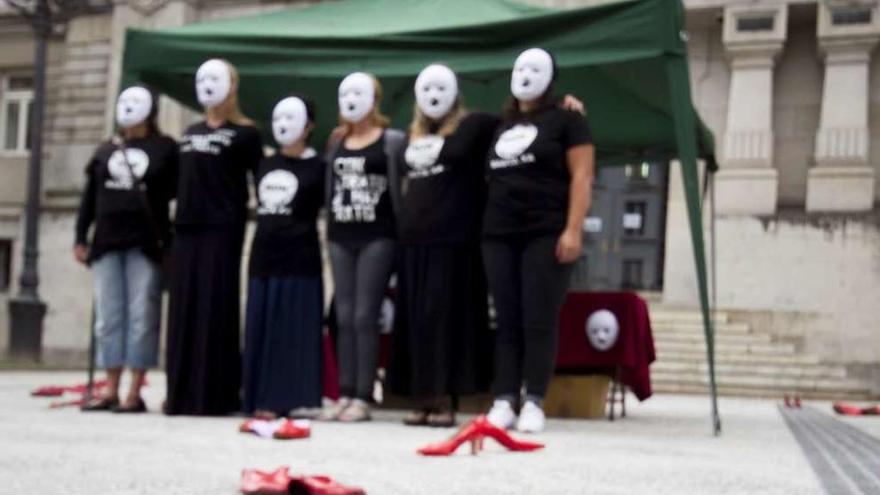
<point>531,418</point>
<point>331,411</point>
<point>501,414</point>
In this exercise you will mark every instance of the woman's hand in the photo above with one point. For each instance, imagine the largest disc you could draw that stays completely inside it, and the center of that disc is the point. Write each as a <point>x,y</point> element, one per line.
<point>572,104</point>
<point>81,253</point>
<point>568,247</point>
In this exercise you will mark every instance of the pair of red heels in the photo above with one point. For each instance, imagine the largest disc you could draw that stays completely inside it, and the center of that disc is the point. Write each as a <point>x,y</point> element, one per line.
<point>280,429</point>
<point>255,482</point>
<point>793,402</point>
<point>474,432</point>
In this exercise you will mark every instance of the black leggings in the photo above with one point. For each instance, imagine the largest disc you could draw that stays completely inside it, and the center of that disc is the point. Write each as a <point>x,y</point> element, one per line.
<point>360,275</point>
<point>528,287</point>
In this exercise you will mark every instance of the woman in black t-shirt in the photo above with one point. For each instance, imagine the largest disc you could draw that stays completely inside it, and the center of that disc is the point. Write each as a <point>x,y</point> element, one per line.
<point>362,196</point>
<point>203,356</point>
<point>540,171</point>
<point>285,305</point>
<point>441,340</point>
<point>129,183</point>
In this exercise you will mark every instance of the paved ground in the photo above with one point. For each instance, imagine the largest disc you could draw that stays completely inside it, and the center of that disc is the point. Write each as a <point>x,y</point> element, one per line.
<point>664,446</point>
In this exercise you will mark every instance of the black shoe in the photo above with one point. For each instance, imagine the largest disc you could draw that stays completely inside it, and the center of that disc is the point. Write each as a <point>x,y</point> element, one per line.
<point>102,404</point>
<point>138,407</point>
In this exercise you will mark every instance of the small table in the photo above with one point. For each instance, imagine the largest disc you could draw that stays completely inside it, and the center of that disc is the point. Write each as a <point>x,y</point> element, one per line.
<point>629,356</point>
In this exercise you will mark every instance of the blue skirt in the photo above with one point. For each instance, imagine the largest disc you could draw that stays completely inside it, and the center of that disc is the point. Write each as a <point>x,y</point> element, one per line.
<point>282,352</point>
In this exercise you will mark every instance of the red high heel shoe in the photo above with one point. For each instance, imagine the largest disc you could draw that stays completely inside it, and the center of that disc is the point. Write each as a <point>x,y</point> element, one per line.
<point>504,438</point>
<point>256,482</point>
<point>474,432</point>
<point>289,430</point>
<point>321,485</point>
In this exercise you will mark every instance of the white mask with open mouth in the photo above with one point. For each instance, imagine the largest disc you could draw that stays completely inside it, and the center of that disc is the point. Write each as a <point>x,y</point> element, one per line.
<point>213,83</point>
<point>289,120</point>
<point>436,91</point>
<point>532,74</point>
<point>133,107</point>
<point>357,95</point>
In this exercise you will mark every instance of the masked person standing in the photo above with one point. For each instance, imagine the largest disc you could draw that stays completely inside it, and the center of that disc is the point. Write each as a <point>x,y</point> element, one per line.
<point>285,306</point>
<point>129,183</point>
<point>540,172</point>
<point>362,196</point>
<point>442,345</point>
<point>203,356</point>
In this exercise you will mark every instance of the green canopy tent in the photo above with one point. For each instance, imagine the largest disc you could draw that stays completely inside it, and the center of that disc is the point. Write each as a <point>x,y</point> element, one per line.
<point>627,60</point>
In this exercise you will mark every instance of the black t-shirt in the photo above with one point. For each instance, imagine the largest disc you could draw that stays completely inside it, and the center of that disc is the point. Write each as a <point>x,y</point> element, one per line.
<point>444,179</point>
<point>212,187</point>
<point>528,173</point>
<point>290,192</point>
<point>115,203</point>
<point>360,207</point>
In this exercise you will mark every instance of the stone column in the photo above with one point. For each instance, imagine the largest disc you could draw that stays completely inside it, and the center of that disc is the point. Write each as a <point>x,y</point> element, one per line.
<point>747,181</point>
<point>842,178</point>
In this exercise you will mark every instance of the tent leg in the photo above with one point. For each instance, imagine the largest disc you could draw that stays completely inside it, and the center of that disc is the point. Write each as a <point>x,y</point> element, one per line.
<point>686,140</point>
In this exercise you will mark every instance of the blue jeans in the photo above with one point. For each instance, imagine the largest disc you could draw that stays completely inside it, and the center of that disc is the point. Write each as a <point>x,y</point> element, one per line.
<point>127,306</point>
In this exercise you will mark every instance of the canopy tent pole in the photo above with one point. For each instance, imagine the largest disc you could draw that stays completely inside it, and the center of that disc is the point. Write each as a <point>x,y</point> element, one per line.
<point>686,139</point>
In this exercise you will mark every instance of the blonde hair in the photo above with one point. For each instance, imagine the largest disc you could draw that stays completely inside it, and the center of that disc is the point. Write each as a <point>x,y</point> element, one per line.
<point>377,118</point>
<point>421,124</point>
<point>231,105</point>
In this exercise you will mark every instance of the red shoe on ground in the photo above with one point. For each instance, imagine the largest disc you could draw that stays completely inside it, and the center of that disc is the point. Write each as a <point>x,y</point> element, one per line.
<point>290,430</point>
<point>847,409</point>
<point>787,401</point>
<point>474,432</point>
<point>321,485</point>
<point>797,401</point>
<point>256,482</point>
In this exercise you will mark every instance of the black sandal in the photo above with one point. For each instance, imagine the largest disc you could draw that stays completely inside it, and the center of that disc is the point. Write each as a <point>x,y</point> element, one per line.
<point>418,417</point>
<point>138,407</point>
<point>102,404</point>
<point>444,418</point>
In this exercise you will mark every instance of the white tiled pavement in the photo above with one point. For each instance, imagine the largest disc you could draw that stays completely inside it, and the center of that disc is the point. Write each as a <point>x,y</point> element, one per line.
<point>664,446</point>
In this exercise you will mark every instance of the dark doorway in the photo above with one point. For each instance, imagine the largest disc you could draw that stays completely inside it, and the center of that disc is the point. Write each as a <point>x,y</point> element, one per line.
<point>625,230</point>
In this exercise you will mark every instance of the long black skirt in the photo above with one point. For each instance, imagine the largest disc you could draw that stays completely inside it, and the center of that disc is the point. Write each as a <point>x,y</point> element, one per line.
<point>283,346</point>
<point>441,343</point>
<point>203,359</point>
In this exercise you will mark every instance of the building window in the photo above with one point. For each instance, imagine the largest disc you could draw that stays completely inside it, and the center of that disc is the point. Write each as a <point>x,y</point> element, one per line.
<point>843,16</point>
<point>16,105</point>
<point>5,264</point>
<point>755,23</point>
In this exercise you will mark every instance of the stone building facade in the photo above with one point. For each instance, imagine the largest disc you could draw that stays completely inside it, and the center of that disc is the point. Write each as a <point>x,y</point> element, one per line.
<point>791,89</point>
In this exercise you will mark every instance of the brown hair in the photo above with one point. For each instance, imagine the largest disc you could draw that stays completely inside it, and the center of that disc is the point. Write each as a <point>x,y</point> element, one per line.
<point>377,117</point>
<point>421,124</point>
<point>231,104</point>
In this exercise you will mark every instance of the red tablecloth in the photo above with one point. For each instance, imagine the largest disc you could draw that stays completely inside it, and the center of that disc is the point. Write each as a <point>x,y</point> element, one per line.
<point>634,349</point>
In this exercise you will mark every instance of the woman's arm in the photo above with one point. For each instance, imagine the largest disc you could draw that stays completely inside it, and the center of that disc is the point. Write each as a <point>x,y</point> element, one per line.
<point>581,164</point>
<point>85,217</point>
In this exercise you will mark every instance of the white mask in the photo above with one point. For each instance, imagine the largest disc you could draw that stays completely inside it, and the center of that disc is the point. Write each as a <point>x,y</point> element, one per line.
<point>436,91</point>
<point>133,107</point>
<point>357,95</point>
<point>602,330</point>
<point>532,74</point>
<point>289,120</point>
<point>213,83</point>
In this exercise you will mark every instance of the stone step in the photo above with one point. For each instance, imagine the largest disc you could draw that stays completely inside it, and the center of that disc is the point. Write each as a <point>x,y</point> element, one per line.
<point>764,369</point>
<point>663,315</point>
<point>699,356</point>
<point>772,385</point>
<point>730,328</point>
<point>764,349</point>
<point>748,338</point>
<point>729,391</point>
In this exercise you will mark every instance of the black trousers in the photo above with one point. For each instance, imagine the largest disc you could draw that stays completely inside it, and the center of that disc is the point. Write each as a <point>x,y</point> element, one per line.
<point>528,286</point>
